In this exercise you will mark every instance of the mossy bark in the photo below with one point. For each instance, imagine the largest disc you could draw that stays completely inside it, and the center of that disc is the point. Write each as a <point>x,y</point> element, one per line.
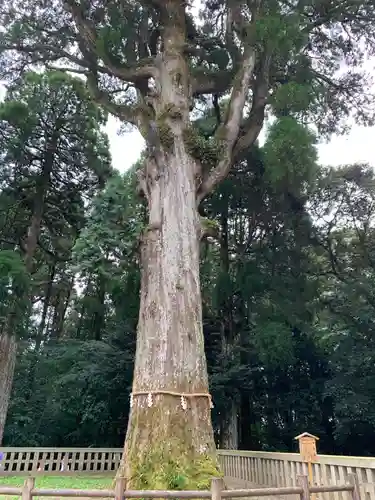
<point>164,451</point>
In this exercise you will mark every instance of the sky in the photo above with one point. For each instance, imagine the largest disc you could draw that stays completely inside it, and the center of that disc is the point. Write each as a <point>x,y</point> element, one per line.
<point>356,147</point>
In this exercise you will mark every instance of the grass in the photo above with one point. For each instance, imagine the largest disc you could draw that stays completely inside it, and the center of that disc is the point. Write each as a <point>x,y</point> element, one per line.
<point>59,482</point>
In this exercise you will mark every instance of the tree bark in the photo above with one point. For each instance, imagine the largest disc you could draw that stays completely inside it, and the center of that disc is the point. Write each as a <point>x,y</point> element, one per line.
<point>38,209</point>
<point>229,339</point>
<point>167,445</point>
<point>40,335</point>
<point>61,301</point>
<point>229,432</point>
<point>46,305</point>
<point>100,312</point>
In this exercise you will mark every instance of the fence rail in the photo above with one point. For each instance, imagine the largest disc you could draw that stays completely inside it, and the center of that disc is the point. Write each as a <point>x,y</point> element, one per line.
<point>217,492</point>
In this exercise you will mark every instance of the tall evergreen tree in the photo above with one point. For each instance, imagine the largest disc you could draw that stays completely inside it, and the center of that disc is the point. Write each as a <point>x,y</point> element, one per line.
<point>151,63</point>
<point>52,149</point>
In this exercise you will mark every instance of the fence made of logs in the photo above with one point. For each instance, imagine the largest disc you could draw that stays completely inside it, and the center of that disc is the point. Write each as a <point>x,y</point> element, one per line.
<point>217,492</point>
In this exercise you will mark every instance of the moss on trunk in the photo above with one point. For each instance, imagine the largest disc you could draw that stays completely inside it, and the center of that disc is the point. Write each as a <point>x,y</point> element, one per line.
<point>167,446</point>
<point>167,468</point>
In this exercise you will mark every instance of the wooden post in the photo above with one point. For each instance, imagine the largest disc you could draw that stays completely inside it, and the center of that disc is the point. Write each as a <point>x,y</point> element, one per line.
<point>310,477</point>
<point>353,480</point>
<point>27,489</point>
<point>217,486</point>
<point>120,486</point>
<point>303,482</point>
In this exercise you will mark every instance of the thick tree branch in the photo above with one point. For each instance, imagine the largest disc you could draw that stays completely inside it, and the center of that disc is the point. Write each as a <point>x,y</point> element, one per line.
<point>227,134</point>
<point>42,49</point>
<point>253,125</point>
<point>230,39</point>
<point>64,69</point>
<point>129,73</point>
<point>155,4</point>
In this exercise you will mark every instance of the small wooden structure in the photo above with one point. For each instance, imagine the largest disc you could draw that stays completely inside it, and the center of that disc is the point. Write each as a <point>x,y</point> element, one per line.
<point>307,447</point>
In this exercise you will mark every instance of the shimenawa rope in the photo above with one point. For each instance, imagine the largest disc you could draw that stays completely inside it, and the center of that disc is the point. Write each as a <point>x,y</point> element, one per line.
<point>182,395</point>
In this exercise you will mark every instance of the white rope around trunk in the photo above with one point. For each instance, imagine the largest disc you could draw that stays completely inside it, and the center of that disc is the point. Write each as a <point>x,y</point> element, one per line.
<point>182,395</point>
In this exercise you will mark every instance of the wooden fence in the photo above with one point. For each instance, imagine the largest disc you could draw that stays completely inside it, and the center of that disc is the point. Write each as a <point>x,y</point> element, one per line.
<point>282,469</point>
<point>245,468</point>
<point>217,492</point>
<point>52,461</point>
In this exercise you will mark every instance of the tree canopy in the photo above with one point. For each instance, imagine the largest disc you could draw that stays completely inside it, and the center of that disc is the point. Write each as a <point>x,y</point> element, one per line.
<point>301,59</point>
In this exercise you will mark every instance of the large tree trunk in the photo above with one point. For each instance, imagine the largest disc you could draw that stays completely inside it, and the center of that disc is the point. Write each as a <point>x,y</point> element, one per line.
<point>99,316</point>
<point>46,305</point>
<point>61,301</point>
<point>167,445</point>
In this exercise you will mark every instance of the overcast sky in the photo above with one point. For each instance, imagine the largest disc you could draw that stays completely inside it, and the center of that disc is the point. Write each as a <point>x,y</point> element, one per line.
<point>357,146</point>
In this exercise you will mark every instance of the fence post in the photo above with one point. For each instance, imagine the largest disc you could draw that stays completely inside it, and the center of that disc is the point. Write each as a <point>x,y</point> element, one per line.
<point>27,489</point>
<point>120,488</point>
<point>353,480</point>
<point>217,487</point>
<point>303,482</point>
